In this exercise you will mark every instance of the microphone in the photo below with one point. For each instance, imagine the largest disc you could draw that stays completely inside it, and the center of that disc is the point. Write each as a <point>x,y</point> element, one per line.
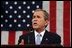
<point>28,40</point>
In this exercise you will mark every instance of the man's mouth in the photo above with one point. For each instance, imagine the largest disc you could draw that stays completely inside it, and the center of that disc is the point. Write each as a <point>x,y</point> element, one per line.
<point>34,23</point>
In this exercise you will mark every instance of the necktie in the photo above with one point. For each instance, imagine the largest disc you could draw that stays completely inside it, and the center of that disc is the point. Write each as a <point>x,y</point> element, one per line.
<point>38,41</point>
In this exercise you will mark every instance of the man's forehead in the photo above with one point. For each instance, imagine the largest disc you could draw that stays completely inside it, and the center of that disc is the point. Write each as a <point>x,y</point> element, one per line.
<point>38,13</point>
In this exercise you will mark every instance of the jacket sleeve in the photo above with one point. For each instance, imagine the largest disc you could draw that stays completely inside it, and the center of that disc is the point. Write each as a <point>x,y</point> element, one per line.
<point>20,38</point>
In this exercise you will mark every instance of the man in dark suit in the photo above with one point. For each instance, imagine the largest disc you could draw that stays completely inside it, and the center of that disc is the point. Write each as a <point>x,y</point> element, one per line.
<point>40,36</point>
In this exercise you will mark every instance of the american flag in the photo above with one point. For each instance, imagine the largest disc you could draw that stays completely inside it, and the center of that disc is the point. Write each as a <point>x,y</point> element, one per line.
<point>16,19</point>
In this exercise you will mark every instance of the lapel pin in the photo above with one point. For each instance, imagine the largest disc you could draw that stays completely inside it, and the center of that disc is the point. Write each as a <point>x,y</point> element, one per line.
<point>46,39</point>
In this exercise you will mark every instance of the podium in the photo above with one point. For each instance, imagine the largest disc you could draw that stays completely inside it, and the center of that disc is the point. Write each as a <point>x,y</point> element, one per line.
<point>32,45</point>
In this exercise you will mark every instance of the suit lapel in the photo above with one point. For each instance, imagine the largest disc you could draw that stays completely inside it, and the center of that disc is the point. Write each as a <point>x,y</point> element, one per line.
<point>32,38</point>
<point>45,38</point>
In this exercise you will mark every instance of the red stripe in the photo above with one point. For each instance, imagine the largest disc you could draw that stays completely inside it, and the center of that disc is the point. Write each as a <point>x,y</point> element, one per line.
<point>11,40</point>
<point>53,16</point>
<point>24,32</point>
<point>66,22</point>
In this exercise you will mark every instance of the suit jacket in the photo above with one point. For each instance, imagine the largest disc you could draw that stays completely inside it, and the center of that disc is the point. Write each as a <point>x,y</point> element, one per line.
<point>49,38</point>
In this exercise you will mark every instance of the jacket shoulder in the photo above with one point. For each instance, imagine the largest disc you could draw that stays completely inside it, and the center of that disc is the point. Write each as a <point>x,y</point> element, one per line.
<point>54,37</point>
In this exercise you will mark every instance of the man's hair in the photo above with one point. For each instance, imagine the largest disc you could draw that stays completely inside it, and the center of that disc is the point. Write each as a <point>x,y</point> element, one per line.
<point>46,15</point>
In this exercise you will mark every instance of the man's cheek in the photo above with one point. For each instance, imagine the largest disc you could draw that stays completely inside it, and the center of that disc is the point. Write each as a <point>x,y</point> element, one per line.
<point>35,25</point>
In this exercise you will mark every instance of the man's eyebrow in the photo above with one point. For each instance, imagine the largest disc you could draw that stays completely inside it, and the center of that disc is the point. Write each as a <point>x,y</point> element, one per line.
<point>33,15</point>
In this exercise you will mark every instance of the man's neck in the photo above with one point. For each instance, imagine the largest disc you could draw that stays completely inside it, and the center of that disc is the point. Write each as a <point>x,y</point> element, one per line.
<point>40,30</point>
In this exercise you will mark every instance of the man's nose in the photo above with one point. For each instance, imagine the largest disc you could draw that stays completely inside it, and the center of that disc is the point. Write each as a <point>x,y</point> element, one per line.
<point>34,20</point>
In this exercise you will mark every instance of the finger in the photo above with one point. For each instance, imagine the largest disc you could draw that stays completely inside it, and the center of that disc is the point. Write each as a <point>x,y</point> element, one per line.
<point>22,42</point>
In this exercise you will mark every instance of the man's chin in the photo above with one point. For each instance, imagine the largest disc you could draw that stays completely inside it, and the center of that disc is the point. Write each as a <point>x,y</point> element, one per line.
<point>35,28</point>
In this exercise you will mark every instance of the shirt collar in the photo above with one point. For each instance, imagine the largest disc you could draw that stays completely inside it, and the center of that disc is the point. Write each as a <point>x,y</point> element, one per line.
<point>42,33</point>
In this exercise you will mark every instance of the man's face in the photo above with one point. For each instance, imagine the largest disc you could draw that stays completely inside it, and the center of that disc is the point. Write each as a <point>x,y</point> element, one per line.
<point>38,20</point>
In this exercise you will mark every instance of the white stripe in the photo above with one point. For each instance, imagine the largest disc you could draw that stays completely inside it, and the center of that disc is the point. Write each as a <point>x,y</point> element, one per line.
<point>4,37</point>
<point>46,6</point>
<point>18,33</point>
<point>59,19</point>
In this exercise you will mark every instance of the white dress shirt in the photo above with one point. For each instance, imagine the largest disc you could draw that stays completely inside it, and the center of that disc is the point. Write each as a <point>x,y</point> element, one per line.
<point>41,33</point>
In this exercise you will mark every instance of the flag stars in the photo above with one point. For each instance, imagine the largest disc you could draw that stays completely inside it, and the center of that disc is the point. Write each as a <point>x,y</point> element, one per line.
<point>15,2</point>
<point>19,16</point>
<point>19,7</point>
<point>33,2</point>
<point>1,25</point>
<point>32,11</point>
<point>24,2</point>
<point>10,16</point>
<point>10,25</point>
<point>6,11</point>
<point>11,7</point>
<point>28,7</point>
<point>28,25</point>
<point>23,20</point>
<point>24,11</point>
<point>15,20</point>
<point>19,25</point>
<point>37,6</point>
<point>28,16</point>
<point>6,20</point>
<point>6,2</point>
<point>15,11</point>
<point>1,16</point>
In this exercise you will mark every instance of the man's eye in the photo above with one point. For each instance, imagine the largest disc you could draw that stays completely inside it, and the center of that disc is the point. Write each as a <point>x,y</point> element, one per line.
<point>33,16</point>
<point>38,16</point>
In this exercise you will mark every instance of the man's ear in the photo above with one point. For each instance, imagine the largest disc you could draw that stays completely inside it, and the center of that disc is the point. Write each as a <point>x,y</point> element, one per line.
<point>46,22</point>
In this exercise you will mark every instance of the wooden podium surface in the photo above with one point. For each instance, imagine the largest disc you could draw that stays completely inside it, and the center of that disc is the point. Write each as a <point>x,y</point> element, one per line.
<point>31,45</point>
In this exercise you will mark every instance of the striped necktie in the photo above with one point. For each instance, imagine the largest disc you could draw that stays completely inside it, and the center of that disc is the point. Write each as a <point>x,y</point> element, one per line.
<point>38,40</point>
